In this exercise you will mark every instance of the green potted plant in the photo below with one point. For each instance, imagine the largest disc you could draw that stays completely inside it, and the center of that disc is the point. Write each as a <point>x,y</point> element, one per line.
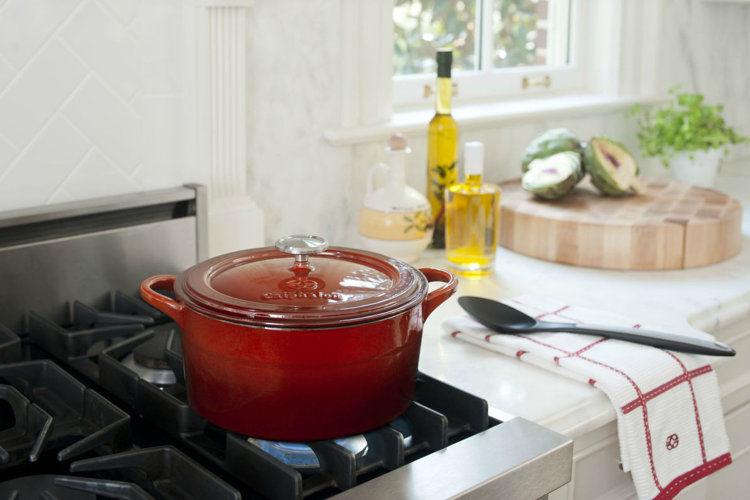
<point>688,136</point>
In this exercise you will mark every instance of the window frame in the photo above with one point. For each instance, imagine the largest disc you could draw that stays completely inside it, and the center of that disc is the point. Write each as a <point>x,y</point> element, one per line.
<point>493,84</point>
<point>620,69</point>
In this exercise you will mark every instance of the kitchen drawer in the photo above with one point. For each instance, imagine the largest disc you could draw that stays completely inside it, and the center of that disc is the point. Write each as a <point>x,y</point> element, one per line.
<point>734,481</point>
<point>596,471</point>
<point>734,377</point>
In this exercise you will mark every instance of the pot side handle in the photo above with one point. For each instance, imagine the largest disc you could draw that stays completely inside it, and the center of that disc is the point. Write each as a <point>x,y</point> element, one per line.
<point>165,304</point>
<point>437,297</point>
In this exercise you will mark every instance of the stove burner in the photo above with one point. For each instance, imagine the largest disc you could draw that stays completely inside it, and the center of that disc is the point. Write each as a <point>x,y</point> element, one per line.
<point>153,375</point>
<point>301,457</point>
<point>403,426</point>
<point>148,361</point>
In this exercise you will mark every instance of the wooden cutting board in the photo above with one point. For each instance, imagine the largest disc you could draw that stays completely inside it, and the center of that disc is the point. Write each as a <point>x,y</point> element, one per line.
<point>669,225</point>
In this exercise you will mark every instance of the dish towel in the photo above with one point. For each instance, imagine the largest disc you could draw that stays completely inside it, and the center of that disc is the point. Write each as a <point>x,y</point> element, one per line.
<point>669,419</point>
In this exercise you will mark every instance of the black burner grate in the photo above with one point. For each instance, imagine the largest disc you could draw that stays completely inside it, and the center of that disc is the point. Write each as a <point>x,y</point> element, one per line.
<point>89,331</point>
<point>168,473</point>
<point>24,429</point>
<point>61,487</point>
<point>58,412</point>
<point>103,347</point>
<point>159,472</point>
<point>10,346</point>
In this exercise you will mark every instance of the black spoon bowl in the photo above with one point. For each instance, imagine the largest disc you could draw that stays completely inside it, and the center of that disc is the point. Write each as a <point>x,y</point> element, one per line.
<point>503,318</point>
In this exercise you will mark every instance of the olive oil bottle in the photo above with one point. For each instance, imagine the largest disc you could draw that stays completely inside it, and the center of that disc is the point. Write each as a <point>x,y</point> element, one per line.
<point>472,216</point>
<point>442,147</point>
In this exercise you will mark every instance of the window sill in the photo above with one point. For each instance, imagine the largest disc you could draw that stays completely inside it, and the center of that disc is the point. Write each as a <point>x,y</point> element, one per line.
<point>488,115</point>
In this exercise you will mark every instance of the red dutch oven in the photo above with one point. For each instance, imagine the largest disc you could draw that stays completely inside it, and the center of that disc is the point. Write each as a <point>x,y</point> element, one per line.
<point>301,342</point>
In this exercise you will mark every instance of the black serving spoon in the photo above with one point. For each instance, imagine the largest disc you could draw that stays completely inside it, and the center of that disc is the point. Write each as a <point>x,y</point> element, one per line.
<point>505,319</point>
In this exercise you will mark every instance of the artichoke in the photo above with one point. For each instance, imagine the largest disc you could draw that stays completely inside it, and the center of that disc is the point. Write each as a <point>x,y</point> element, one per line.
<point>549,143</point>
<point>553,177</point>
<point>613,169</point>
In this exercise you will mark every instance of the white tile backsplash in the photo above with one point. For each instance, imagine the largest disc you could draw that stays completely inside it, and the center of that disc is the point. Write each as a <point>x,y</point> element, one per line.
<point>93,104</point>
<point>7,154</point>
<point>60,196</point>
<point>26,25</point>
<point>35,175</point>
<point>125,10</point>
<point>162,63</point>
<point>38,91</point>
<point>97,169</point>
<point>113,55</point>
<point>6,73</point>
<point>92,99</point>
<point>164,155</point>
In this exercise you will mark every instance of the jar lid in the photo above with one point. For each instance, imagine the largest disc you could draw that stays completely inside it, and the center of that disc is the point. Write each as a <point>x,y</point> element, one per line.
<point>302,284</point>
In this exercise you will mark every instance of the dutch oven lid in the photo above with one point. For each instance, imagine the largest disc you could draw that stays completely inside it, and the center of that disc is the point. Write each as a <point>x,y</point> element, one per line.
<point>302,284</point>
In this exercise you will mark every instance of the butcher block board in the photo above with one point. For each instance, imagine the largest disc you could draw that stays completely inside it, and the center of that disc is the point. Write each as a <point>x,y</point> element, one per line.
<point>669,225</point>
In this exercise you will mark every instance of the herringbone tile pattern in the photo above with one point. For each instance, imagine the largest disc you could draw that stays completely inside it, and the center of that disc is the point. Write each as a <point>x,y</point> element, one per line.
<point>92,99</point>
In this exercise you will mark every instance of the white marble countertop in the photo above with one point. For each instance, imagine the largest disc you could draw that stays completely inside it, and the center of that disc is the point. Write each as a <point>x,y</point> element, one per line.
<point>681,300</point>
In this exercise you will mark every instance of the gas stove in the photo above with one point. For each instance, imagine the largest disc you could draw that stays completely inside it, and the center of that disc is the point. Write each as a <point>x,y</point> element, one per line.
<point>92,388</point>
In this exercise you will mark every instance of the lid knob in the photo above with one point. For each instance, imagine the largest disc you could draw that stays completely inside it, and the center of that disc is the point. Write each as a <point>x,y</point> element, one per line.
<point>301,245</point>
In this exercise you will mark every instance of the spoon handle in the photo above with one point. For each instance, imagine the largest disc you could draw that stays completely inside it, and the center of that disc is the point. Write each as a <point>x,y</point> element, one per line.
<point>651,337</point>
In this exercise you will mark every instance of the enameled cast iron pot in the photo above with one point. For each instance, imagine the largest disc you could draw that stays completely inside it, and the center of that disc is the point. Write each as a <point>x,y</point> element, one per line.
<point>318,344</point>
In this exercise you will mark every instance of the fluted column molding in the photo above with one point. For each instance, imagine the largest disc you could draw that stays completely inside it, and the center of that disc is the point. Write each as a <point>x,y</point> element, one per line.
<point>235,222</point>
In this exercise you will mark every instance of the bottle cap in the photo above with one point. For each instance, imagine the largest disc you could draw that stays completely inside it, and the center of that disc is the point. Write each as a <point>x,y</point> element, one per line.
<point>398,142</point>
<point>473,158</point>
<point>444,62</point>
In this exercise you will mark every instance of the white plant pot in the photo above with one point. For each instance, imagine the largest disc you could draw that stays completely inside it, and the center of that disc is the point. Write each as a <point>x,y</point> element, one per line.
<point>696,167</point>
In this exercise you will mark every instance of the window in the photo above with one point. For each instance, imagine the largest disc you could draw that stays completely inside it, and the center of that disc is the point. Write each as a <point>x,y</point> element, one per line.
<point>607,64</point>
<point>501,47</point>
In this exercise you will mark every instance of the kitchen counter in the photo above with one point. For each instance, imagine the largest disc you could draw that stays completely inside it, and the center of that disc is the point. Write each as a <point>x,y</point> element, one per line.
<point>706,298</point>
<point>684,300</point>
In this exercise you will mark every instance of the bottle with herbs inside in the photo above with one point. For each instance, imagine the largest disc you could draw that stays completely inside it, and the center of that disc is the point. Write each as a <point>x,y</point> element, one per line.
<point>442,146</point>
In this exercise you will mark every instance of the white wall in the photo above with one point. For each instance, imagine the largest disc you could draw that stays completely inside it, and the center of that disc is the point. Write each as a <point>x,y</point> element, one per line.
<point>706,48</point>
<point>92,99</point>
<point>303,184</point>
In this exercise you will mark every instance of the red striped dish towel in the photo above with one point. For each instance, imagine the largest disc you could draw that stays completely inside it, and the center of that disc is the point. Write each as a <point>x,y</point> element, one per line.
<point>669,419</point>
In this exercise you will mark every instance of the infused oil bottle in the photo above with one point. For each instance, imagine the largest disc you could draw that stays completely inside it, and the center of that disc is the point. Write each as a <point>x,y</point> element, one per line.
<point>472,216</point>
<point>442,147</point>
